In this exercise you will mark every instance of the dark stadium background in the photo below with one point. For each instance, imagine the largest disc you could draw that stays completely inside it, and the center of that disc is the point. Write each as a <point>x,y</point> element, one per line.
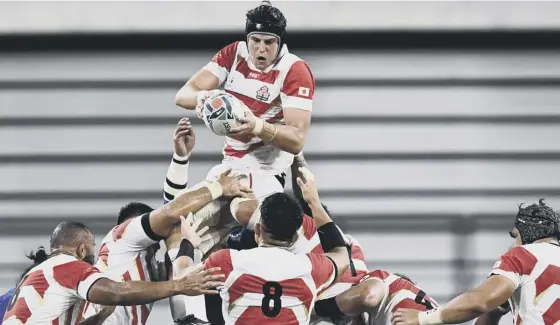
<point>424,138</point>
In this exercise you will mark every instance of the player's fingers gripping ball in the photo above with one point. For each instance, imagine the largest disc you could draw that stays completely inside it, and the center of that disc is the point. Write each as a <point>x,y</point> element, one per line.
<point>221,112</point>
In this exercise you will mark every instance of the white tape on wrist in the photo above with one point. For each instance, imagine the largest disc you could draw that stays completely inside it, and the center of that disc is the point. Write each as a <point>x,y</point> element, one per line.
<point>181,158</point>
<point>430,317</point>
<point>215,189</point>
<point>259,125</point>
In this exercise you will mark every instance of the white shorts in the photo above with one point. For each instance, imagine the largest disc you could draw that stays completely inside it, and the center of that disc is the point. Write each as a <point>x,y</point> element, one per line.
<point>263,185</point>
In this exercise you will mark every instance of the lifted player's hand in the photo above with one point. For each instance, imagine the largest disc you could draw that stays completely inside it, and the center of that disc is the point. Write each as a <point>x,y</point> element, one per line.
<point>201,281</point>
<point>246,124</point>
<point>201,97</point>
<point>405,317</point>
<point>308,186</point>
<point>191,233</point>
<point>232,185</point>
<point>184,138</point>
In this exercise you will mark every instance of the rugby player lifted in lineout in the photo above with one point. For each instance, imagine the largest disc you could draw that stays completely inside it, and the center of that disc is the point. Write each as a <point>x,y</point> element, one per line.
<point>276,86</point>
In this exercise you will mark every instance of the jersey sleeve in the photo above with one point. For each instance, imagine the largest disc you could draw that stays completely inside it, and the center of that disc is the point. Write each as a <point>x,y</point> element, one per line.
<point>299,87</point>
<point>515,265</point>
<point>323,270</point>
<point>221,259</point>
<point>134,235</point>
<point>221,63</point>
<point>78,276</point>
<point>177,177</point>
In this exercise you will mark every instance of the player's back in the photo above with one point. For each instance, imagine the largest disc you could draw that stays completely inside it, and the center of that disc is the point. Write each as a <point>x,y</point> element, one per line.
<point>535,272</point>
<point>53,292</point>
<point>270,285</point>
<point>399,293</point>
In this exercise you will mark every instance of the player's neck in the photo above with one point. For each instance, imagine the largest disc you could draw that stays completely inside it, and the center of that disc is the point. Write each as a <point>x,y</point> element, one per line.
<point>62,251</point>
<point>550,240</point>
<point>275,243</point>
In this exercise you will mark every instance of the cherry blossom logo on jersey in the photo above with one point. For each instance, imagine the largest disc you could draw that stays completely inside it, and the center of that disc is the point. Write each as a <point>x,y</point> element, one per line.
<point>263,94</point>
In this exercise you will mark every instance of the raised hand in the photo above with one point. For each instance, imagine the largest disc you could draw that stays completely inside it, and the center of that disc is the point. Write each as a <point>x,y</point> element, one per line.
<point>184,138</point>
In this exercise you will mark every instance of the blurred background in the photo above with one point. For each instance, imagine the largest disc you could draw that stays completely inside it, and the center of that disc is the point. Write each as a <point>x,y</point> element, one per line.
<point>432,120</point>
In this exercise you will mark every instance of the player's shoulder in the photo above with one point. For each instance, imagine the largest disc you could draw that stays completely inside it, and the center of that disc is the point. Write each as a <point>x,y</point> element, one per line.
<point>524,253</point>
<point>234,47</point>
<point>293,65</point>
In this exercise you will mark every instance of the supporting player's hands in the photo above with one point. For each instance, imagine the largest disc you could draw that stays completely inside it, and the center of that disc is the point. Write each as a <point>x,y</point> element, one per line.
<point>308,187</point>
<point>246,124</point>
<point>404,316</point>
<point>184,138</point>
<point>232,186</point>
<point>189,230</point>
<point>201,281</point>
<point>201,97</point>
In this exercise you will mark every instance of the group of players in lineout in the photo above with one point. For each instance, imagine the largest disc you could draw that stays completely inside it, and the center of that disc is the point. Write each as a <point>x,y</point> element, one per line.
<point>267,257</point>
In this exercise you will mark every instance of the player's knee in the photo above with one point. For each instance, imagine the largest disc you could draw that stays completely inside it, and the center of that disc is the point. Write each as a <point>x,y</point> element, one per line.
<point>243,210</point>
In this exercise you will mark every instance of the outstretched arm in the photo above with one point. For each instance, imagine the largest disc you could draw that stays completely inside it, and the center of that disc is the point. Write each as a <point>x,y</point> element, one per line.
<point>109,292</point>
<point>492,293</point>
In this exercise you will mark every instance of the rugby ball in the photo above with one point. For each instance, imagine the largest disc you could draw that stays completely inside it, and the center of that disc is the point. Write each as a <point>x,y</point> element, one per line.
<point>220,112</point>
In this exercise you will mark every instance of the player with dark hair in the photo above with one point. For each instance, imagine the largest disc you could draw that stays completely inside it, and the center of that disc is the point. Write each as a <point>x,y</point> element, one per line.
<point>132,210</point>
<point>55,291</point>
<point>528,275</point>
<point>271,285</point>
<point>277,88</point>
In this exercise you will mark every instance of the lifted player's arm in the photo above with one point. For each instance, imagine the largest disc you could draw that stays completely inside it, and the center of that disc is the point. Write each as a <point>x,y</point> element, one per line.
<point>202,83</point>
<point>188,96</point>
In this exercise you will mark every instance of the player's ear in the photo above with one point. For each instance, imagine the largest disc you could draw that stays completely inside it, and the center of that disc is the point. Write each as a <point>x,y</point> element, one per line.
<point>81,251</point>
<point>258,232</point>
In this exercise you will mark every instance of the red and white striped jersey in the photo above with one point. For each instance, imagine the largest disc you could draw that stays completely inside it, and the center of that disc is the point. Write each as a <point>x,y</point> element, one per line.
<point>308,242</point>
<point>52,293</point>
<point>535,272</point>
<point>123,257</point>
<point>399,293</point>
<point>270,285</point>
<point>287,83</point>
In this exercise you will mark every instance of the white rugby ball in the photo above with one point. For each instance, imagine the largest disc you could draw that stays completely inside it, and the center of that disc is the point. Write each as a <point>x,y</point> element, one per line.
<point>220,112</point>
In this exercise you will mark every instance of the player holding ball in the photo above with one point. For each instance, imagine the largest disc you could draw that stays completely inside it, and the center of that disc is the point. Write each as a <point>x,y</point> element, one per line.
<point>275,88</point>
